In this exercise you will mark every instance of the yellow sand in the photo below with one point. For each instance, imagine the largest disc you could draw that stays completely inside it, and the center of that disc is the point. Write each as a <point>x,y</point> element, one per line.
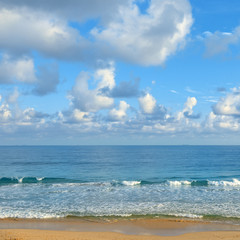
<point>21,234</point>
<point>90,229</point>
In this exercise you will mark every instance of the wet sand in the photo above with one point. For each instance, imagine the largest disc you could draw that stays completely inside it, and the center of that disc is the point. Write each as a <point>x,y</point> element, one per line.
<point>90,228</point>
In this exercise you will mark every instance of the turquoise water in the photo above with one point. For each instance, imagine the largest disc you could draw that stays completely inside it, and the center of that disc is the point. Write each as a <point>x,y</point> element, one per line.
<point>60,181</point>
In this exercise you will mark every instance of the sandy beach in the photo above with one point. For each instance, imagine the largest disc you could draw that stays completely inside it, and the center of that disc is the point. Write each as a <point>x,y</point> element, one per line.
<point>87,229</point>
<point>20,234</point>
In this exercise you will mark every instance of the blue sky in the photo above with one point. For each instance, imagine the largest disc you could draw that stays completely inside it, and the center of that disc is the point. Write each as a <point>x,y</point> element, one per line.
<point>119,72</point>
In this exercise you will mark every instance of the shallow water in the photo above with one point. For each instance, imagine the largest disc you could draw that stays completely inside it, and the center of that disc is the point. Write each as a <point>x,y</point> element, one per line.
<point>180,181</point>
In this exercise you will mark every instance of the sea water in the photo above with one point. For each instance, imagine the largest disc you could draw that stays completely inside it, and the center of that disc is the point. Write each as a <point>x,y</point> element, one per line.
<point>120,181</point>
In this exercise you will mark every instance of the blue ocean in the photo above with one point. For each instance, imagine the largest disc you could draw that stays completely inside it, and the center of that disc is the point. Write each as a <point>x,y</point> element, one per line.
<point>200,182</point>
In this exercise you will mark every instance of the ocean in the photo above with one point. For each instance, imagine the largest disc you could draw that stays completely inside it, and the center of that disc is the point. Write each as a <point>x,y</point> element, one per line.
<point>199,182</point>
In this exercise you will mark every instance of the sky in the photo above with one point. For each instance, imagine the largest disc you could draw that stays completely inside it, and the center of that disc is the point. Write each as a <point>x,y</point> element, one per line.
<point>119,72</point>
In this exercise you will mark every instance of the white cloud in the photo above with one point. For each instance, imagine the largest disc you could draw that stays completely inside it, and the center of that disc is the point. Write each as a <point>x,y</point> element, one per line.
<point>92,100</point>
<point>17,121</point>
<point>73,116</point>
<point>44,79</point>
<point>125,33</point>
<point>23,31</point>
<point>187,112</point>
<point>216,123</point>
<point>12,116</point>
<point>105,77</point>
<point>189,104</point>
<point>27,115</point>
<point>120,113</point>
<point>147,103</point>
<point>229,105</point>
<point>74,10</point>
<point>177,123</point>
<point>5,112</point>
<point>12,70</point>
<point>147,39</point>
<point>80,116</point>
<point>165,128</point>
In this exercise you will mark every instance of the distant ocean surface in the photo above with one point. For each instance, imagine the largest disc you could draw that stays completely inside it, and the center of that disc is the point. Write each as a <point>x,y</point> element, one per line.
<point>101,181</point>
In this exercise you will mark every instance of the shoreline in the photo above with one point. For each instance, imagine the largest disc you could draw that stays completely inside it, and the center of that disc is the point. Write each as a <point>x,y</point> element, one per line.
<point>128,226</point>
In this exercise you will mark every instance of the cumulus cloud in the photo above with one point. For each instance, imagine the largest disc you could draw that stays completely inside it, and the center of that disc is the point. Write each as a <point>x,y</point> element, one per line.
<point>5,112</point>
<point>188,109</point>
<point>12,70</point>
<point>92,100</point>
<point>23,31</point>
<point>190,103</point>
<point>120,31</point>
<point>80,116</point>
<point>147,103</point>
<point>219,42</point>
<point>159,113</point>
<point>74,116</point>
<point>229,105</point>
<point>159,33</point>
<point>30,116</point>
<point>216,123</point>
<point>43,79</point>
<point>147,39</point>
<point>151,112</point>
<point>161,121</point>
<point>123,90</point>
<point>82,10</point>
<point>75,121</point>
<point>13,116</point>
<point>119,114</point>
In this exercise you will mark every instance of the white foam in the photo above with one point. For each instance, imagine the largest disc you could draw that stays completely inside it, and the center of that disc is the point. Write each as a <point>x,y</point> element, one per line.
<point>131,183</point>
<point>117,214</point>
<point>94,184</point>
<point>179,183</point>
<point>20,180</point>
<point>234,183</point>
<point>40,179</point>
<point>21,214</point>
<point>187,215</point>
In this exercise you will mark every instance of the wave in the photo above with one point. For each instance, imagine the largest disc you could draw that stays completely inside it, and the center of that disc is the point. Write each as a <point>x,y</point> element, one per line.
<point>16,180</point>
<point>107,216</point>
<point>176,183</point>
<point>234,183</point>
<point>198,217</point>
<point>205,183</point>
<point>179,183</point>
<point>131,183</point>
<point>194,183</point>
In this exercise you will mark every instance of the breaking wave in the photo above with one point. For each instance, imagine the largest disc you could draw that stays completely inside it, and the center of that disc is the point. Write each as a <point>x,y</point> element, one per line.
<point>176,183</point>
